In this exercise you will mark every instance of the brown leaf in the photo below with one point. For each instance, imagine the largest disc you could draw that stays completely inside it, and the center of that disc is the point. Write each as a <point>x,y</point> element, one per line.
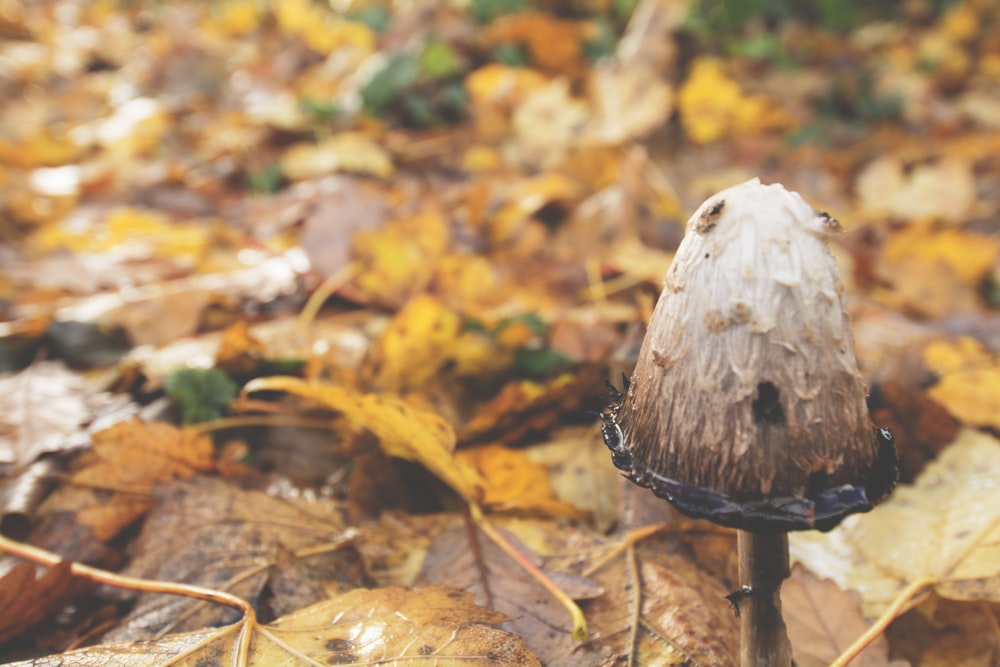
<point>208,533</point>
<point>42,410</point>
<point>130,458</point>
<point>405,627</point>
<point>26,598</point>
<point>823,620</point>
<point>534,614</point>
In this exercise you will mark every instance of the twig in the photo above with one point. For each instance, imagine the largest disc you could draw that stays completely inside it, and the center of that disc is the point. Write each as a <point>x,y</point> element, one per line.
<point>900,604</point>
<point>580,632</point>
<point>47,558</point>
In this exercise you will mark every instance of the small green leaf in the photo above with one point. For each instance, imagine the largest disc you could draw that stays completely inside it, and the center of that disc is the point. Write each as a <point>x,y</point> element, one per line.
<point>389,83</point>
<point>375,17</point>
<point>530,320</point>
<point>439,60</point>
<point>203,394</point>
<point>538,362</point>
<point>319,110</point>
<point>485,11</point>
<point>266,180</point>
<point>511,55</point>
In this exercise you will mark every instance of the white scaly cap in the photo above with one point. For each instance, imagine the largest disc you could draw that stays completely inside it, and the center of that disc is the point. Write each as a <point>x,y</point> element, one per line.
<point>747,406</point>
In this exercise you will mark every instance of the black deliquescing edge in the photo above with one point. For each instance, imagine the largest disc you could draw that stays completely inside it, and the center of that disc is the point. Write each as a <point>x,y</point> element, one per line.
<point>822,510</point>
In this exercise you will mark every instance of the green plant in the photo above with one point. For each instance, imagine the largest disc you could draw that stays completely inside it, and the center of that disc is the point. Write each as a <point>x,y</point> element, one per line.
<point>202,393</point>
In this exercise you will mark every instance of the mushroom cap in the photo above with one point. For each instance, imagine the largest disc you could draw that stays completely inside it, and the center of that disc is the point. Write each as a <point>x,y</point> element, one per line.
<point>747,406</point>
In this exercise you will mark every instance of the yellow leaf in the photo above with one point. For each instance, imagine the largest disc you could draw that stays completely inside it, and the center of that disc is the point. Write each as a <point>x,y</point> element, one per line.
<point>713,106</point>
<point>512,481</point>
<point>969,255</point>
<point>945,527</point>
<point>495,91</point>
<point>424,339</point>
<point>969,380</point>
<point>943,190</point>
<point>402,430</point>
<point>345,152</point>
<point>398,260</point>
<point>130,233</point>
<point>321,29</point>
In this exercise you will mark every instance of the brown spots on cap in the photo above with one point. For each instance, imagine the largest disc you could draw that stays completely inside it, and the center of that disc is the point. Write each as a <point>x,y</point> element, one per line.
<point>741,312</point>
<point>339,644</point>
<point>662,360</point>
<point>716,321</point>
<point>710,217</point>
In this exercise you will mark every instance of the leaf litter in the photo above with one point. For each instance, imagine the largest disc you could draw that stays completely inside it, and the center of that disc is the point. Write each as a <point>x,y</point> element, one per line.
<point>488,213</point>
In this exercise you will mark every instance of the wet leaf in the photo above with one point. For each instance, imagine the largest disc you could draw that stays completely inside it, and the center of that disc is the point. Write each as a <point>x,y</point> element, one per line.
<point>513,482</point>
<point>43,407</point>
<point>358,628</point>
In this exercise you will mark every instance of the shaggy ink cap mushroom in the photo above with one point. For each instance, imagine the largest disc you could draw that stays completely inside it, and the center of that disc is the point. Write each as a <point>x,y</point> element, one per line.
<point>747,406</point>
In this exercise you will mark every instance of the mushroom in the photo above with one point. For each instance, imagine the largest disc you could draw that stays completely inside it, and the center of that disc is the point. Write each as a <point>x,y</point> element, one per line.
<point>747,406</point>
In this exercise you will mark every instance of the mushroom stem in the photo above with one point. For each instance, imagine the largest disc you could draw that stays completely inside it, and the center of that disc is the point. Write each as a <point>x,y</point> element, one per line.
<point>763,566</point>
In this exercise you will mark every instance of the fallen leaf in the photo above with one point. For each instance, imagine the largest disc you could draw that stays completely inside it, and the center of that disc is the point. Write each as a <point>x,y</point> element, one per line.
<point>427,341</point>
<point>397,262</point>
<point>401,430</point>
<point>350,152</point>
<point>936,272</point>
<point>26,597</point>
<point>921,426</point>
<point>950,506</point>
<point>554,44</point>
<point>131,457</point>
<point>968,383</point>
<point>42,410</point>
<point>943,190</point>
<point>682,612</point>
<point>529,406</point>
<point>942,633</point>
<point>712,106</point>
<point>535,615</point>
<point>211,534</point>
<point>362,627</point>
<point>823,620</point>
<point>512,482</point>
<point>495,92</point>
